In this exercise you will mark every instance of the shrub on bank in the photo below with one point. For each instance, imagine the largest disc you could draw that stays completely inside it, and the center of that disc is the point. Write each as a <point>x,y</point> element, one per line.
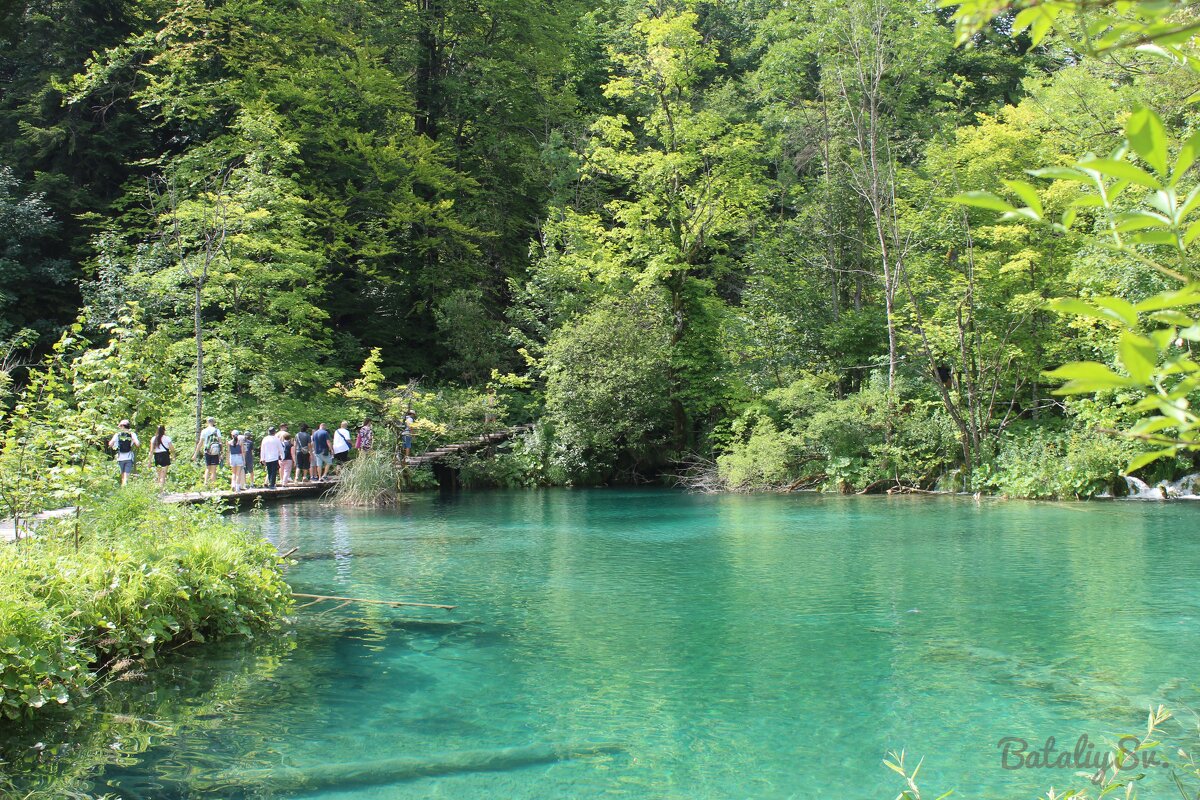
<point>868,438</point>
<point>1068,463</point>
<point>132,578</point>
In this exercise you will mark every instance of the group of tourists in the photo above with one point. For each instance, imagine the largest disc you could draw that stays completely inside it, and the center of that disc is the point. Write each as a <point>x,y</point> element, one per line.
<point>308,455</point>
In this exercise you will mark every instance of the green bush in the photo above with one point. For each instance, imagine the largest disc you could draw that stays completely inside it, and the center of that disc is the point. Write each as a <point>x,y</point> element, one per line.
<point>527,461</point>
<point>864,438</point>
<point>135,577</point>
<point>1047,463</point>
<point>766,459</point>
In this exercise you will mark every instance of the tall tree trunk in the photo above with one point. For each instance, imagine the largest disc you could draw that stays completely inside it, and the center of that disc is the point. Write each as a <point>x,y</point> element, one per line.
<point>428,90</point>
<point>679,416</point>
<point>199,331</point>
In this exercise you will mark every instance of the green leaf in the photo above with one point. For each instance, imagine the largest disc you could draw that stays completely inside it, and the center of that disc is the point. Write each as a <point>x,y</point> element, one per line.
<point>1150,425</point>
<point>1148,458</point>
<point>1088,201</point>
<point>1187,296</point>
<point>1138,355</point>
<point>986,200</point>
<point>1172,317</point>
<point>1122,170</point>
<point>1123,309</point>
<point>1153,237</point>
<point>1058,174</point>
<point>1068,216</point>
<point>1028,194</point>
<point>1113,312</point>
<point>1148,138</point>
<point>1186,157</point>
<point>1138,220</point>
<point>1083,377</point>
<point>1190,203</point>
<point>1191,233</point>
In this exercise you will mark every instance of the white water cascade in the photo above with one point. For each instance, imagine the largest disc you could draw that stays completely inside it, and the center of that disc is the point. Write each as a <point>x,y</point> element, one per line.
<point>1182,489</point>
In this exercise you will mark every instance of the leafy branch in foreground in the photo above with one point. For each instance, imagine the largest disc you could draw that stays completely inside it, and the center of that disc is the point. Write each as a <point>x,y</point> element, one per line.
<point>1159,27</point>
<point>1145,207</point>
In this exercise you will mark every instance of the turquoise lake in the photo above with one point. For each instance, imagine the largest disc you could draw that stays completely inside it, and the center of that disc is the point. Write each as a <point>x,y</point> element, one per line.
<point>683,646</point>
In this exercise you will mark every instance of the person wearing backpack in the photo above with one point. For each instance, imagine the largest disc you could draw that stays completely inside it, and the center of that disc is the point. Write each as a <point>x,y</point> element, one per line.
<point>322,458</point>
<point>289,453</point>
<point>303,453</point>
<point>209,443</point>
<point>124,442</point>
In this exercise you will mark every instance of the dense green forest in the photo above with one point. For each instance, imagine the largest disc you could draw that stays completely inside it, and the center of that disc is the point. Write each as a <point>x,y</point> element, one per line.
<point>710,239</point>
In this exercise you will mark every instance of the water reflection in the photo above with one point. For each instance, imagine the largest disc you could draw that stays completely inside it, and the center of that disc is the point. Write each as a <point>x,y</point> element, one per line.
<point>730,646</point>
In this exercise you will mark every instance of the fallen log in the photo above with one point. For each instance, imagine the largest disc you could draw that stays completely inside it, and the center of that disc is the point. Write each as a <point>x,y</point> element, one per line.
<point>317,598</point>
<point>320,777</point>
<point>806,481</point>
<point>875,487</point>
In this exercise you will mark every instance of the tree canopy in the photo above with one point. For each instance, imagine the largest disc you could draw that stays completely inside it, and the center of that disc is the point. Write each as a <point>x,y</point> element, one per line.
<point>677,232</point>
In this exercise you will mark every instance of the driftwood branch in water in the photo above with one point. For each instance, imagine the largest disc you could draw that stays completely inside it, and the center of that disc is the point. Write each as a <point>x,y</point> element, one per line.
<point>318,777</point>
<point>317,598</point>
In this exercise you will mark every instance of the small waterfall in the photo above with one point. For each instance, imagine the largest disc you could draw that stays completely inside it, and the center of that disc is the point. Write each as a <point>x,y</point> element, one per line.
<point>1140,490</point>
<point>1182,489</point>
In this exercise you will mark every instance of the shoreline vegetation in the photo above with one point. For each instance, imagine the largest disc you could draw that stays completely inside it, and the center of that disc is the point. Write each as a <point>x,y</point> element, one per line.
<point>105,596</point>
<point>848,246</point>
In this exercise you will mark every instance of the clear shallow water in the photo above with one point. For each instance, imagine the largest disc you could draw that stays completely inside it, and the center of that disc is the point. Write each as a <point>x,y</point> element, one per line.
<point>729,646</point>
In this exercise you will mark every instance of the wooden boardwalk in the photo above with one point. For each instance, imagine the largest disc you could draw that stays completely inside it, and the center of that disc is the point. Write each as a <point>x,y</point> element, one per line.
<point>252,494</point>
<point>469,446</point>
<point>8,529</point>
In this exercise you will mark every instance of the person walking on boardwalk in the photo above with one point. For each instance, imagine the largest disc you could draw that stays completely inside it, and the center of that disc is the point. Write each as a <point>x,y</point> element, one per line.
<point>365,439</point>
<point>237,461</point>
<point>341,444</point>
<point>124,442</point>
<point>210,444</point>
<point>270,453</point>
<point>285,463</point>
<point>410,419</point>
<point>162,450</point>
<point>303,453</point>
<point>251,452</point>
<point>322,456</point>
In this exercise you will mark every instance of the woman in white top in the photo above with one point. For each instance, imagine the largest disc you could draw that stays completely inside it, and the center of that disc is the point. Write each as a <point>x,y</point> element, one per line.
<point>162,450</point>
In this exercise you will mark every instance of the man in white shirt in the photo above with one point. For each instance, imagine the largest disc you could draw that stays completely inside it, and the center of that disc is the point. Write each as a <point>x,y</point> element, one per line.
<point>270,452</point>
<point>124,442</point>
<point>341,443</point>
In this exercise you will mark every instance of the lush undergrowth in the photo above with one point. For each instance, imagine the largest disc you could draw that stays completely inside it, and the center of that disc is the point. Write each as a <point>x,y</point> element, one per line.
<point>801,436</point>
<point>130,580</point>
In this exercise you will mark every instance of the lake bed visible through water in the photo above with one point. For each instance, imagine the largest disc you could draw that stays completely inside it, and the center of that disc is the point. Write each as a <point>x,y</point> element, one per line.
<point>656,644</point>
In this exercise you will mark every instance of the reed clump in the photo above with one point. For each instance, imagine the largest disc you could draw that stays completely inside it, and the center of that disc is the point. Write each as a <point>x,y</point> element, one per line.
<point>372,479</point>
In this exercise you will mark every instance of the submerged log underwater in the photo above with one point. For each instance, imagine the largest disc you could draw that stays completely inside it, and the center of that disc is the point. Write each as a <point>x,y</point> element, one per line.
<point>383,772</point>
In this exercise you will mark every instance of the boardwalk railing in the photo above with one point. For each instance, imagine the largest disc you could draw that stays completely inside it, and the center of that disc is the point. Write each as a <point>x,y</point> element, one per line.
<point>468,446</point>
